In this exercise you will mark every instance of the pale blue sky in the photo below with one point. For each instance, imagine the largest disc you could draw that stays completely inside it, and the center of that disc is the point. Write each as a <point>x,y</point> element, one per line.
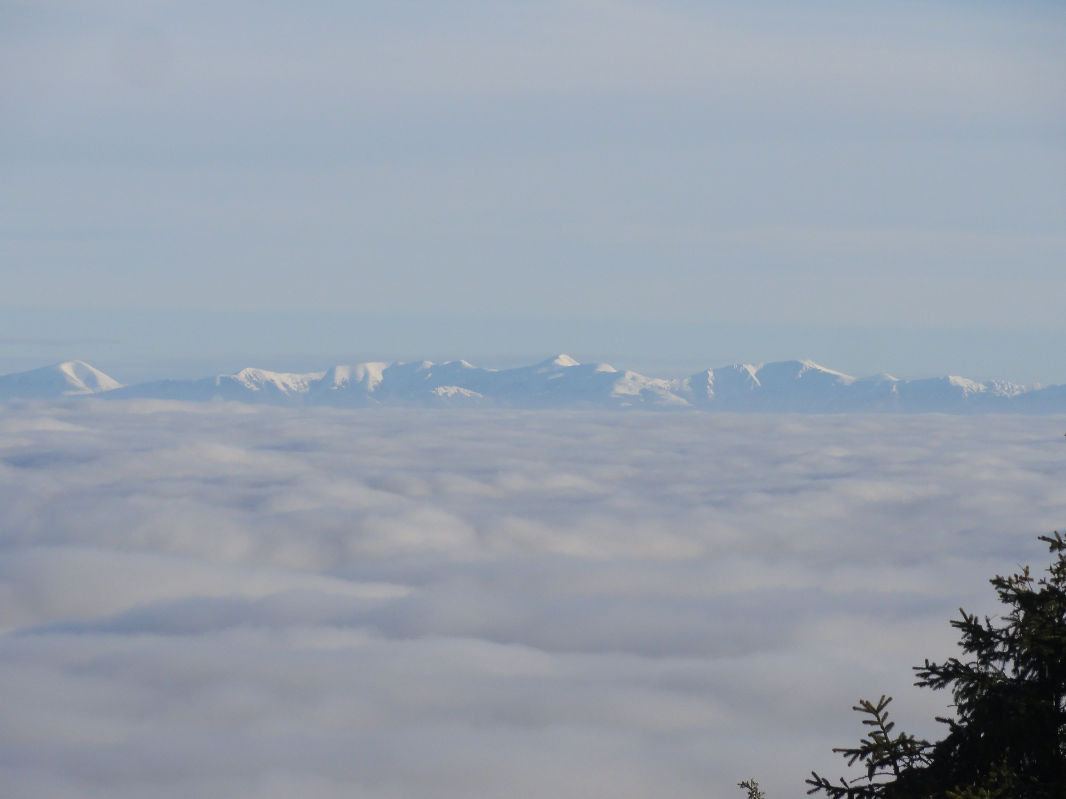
<point>879,187</point>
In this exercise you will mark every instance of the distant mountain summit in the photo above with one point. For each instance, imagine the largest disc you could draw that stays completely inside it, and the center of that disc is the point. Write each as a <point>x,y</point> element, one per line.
<point>558,382</point>
<point>70,378</point>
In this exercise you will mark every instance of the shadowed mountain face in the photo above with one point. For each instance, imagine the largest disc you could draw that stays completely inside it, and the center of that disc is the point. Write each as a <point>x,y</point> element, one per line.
<point>558,382</point>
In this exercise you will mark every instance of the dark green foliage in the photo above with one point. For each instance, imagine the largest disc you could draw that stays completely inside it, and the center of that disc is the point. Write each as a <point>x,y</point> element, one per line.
<point>1008,737</point>
<point>899,759</point>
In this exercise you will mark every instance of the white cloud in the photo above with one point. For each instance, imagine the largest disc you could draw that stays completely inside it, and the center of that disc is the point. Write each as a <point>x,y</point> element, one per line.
<point>221,601</point>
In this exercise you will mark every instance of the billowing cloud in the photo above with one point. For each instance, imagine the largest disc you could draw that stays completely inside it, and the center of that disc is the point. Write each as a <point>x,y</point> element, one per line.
<point>217,600</point>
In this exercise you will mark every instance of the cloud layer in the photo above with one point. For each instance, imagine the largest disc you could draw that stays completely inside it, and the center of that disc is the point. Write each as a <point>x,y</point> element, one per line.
<point>224,600</point>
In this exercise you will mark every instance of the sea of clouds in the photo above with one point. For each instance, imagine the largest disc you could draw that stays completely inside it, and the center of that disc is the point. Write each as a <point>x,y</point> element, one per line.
<point>220,601</point>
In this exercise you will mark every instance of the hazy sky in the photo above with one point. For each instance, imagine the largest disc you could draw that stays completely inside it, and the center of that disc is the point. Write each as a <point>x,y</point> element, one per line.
<point>221,600</point>
<point>711,181</point>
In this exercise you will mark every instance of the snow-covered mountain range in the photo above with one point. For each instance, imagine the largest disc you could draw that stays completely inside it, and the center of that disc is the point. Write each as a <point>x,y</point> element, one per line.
<point>559,382</point>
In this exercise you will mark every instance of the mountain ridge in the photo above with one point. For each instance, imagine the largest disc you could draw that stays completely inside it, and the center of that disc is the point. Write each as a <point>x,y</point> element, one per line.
<point>557,382</point>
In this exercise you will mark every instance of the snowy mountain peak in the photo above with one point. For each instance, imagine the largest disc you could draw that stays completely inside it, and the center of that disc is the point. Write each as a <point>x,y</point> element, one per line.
<point>795,370</point>
<point>1005,388</point>
<point>67,379</point>
<point>811,366</point>
<point>339,376</point>
<point>368,374</point>
<point>285,382</point>
<point>968,386</point>
<point>562,359</point>
<point>85,379</point>
<point>453,392</point>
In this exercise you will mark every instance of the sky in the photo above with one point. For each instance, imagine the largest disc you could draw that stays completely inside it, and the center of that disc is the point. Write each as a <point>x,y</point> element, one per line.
<point>670,185</point>
<point>226,600</point>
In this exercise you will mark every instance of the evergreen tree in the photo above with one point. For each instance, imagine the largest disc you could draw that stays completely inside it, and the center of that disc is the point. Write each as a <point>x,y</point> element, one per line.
<point>1008,737</point>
